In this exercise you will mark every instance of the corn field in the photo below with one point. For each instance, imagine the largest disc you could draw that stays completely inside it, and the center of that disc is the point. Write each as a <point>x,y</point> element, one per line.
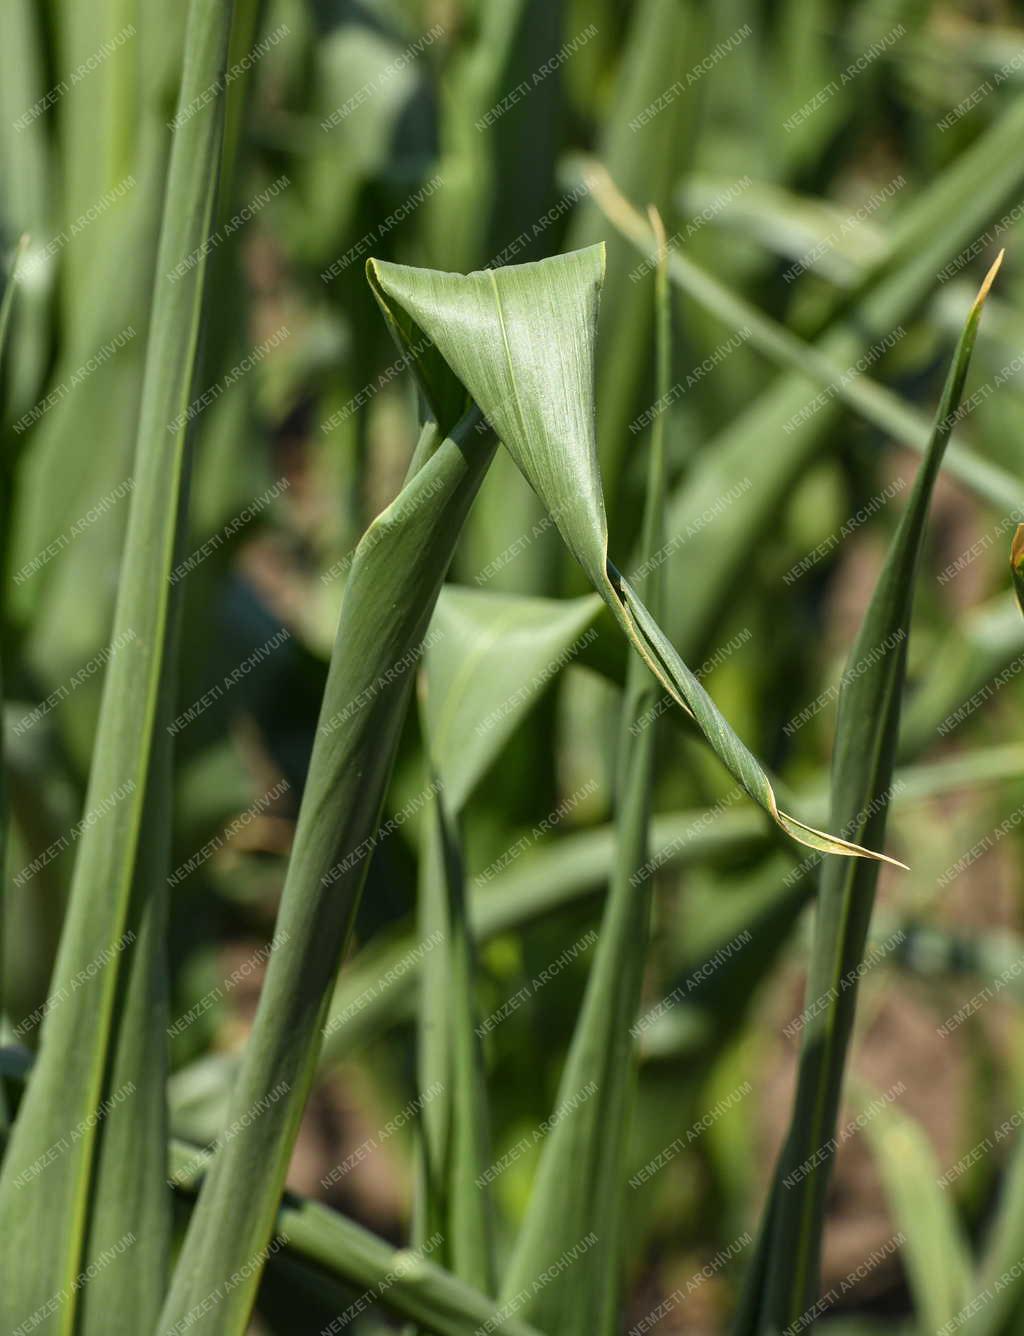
<point>512,527</point>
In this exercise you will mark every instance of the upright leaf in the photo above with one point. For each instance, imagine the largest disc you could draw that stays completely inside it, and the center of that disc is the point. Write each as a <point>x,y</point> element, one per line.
<point>393,584</point>
<point>866,734</point>
<point>109,1175</point>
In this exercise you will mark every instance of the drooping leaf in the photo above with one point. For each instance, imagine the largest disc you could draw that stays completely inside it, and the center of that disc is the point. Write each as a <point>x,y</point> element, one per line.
<point>521,340</point>
<point>579,1185</point>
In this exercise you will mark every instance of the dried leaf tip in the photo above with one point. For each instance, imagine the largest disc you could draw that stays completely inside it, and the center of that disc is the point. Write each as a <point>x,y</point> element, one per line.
<point>893,862</point>
<point>990,278</point>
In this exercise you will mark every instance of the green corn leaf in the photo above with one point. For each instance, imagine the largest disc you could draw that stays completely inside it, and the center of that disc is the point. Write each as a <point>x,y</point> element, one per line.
<point>862,777</point>
<point>935,1250</point>
<point>578,1190</point>
<point>107,1179</point>
<point>521,340</point>
<point>392,587</point>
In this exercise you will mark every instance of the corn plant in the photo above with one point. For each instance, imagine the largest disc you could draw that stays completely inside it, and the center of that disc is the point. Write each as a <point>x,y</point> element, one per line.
<point>497,513</point>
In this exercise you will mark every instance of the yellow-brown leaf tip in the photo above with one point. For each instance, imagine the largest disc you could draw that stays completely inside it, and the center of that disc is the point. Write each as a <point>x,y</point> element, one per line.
<point>990,278</point>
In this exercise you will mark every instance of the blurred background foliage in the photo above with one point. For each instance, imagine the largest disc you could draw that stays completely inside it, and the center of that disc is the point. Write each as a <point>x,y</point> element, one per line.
<point>845,197</point>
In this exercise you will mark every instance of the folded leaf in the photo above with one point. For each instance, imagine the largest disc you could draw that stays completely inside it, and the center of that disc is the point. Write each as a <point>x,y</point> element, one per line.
<point>521,340</point>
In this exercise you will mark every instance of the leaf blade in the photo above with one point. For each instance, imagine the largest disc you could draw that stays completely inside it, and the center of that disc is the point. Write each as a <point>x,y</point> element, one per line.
<point>862,776</point>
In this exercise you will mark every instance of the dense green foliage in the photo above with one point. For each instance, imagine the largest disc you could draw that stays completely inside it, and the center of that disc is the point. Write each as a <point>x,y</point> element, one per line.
<point>511,785</point>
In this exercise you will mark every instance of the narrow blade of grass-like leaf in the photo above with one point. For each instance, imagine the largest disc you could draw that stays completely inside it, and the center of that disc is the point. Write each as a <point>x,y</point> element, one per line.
<point>393,584</point>
<point>521,340</point>
<point>125,813</point>
<point>862,768</point>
